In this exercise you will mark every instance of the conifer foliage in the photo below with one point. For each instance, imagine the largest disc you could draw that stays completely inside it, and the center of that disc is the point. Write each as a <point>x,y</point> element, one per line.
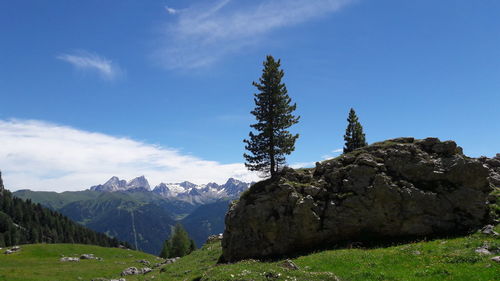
<point>178,245</point>
<point>22,222</point>
<point>354,136</point>
<point>273,112</point>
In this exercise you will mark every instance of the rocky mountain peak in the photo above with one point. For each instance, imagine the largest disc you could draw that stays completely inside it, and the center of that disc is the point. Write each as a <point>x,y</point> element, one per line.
<point>163,190</point>
<point>234,187</point>
<point>185,191</point>
<point>113,184</point>
<point>232,181</point>
<point>112,179</point>
<point>139,183</point>
<point>213,185</point>
<point>116,183</point>
<point>187,185</point>
<point>194,192</point>
<point>161,187</point>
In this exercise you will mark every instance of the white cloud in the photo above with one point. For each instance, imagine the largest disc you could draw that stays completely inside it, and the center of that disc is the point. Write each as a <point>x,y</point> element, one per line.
<point>87,61</point>
<point>204,33</point>
<point>170,10</point>
<point>335,151</point>
<point>303,165</point>
<point>44,156</point>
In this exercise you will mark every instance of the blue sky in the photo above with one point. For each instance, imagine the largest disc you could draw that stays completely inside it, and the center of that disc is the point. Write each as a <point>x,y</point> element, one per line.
<point>174,78</point>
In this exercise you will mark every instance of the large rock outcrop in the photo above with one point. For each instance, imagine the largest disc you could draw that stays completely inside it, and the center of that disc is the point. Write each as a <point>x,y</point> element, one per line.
<point>394,189</point>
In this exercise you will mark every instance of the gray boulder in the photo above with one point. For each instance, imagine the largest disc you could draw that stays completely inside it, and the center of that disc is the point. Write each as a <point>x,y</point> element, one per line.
<point>288,264</point>
<point>214,238</point>
<point>131,271</point>
<point>395,189</point>
<point>484,249</point>
<point>489,230</point>
<point>135,271</point>
<point>12,250</point>
<point>69,259</point>
<point>87,257</point>
<point>145,262</point>
<point>146,270</point>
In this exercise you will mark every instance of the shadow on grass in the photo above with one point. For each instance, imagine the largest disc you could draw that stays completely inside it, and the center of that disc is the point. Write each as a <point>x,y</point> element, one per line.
<point>367,241</point>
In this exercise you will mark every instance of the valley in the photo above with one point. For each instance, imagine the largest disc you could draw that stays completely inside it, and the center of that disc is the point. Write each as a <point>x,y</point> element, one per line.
<point>132,212</point>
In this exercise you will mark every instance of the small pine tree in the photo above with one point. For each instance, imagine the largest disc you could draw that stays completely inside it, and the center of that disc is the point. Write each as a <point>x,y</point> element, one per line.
<point>165,251</point>
<point>178,245</point>
<point>354,136</point>
<point>192,245</point>
<point>273,112</point>
<point>180,242</point>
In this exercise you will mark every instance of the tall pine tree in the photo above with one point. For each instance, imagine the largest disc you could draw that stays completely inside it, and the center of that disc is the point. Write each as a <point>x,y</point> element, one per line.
<point>273,112</point>
<point>354,136</point>
<point>166,250</point>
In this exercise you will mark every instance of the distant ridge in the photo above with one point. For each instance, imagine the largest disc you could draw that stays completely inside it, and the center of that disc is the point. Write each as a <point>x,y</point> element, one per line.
<point>184,191</point>
<point>23,222</point>
<point>133,212</point>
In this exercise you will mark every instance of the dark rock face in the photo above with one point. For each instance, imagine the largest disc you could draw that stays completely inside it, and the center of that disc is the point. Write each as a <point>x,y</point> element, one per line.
<point>494,165</point>
<point>398,188</point>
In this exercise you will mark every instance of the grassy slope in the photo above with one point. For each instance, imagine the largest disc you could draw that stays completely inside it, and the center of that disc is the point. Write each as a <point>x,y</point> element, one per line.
<point>444,259</point>
<point>41,262</point>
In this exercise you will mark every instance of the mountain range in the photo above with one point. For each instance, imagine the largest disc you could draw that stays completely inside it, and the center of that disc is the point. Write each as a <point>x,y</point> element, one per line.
<point>133,212</point>
<point>183,191</point>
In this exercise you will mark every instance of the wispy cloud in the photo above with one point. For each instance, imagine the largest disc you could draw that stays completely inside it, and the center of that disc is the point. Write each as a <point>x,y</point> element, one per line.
<point>87,61</point>
<point>303,165</point>
<point>171,11</point>
<point>204,33</point>
<point>44,156</point>
<point>332,154</point>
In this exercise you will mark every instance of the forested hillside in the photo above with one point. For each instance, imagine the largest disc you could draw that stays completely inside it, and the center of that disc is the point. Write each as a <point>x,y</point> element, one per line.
<point>23,222</point>
<point>206,220</point>
<point>145,218</point>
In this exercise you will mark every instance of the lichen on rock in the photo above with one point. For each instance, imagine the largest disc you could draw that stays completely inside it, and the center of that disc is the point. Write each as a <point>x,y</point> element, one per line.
<point>398,188</point>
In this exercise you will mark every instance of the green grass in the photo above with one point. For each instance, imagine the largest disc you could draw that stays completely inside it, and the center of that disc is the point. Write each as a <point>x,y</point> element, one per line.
<point>495,204</point>
<point>41,262</point>
<point>442,259</point>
